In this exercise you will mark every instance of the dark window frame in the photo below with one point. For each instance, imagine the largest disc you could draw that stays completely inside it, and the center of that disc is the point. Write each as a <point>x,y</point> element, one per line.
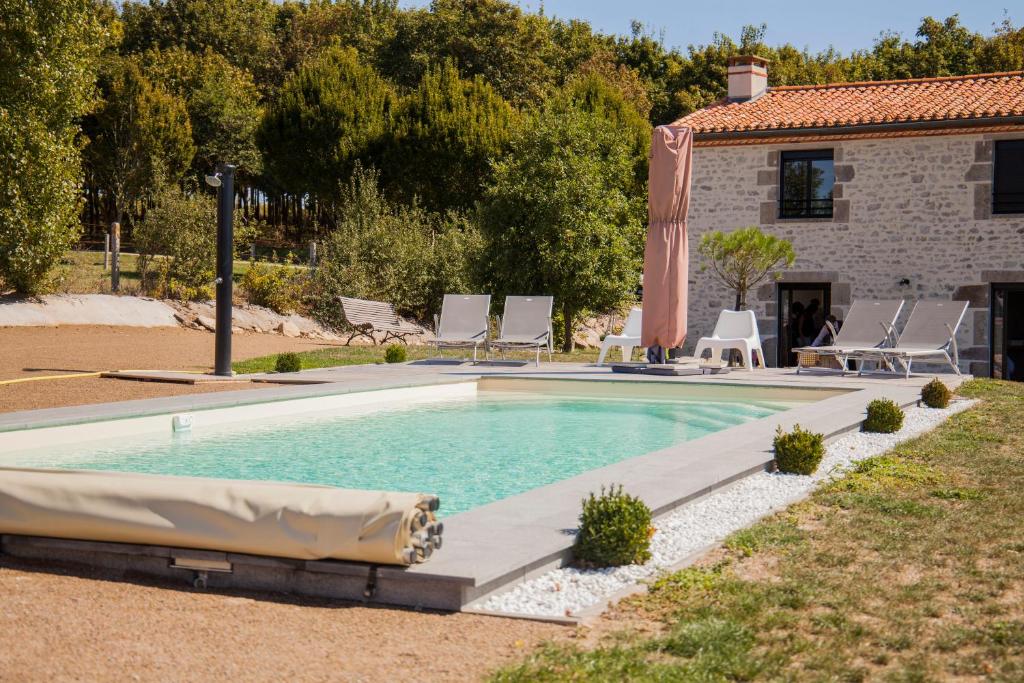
<point>806,210</point>
<point>1006,202</point>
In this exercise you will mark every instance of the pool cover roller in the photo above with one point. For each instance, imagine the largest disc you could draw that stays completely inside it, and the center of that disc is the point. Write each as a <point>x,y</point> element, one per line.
<point>299,521</point>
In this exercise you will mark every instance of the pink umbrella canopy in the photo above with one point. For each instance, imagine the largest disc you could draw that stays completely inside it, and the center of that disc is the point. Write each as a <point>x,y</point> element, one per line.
<point>666,254</point>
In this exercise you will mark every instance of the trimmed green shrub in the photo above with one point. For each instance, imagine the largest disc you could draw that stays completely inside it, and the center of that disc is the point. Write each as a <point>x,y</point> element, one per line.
<point>278,288</point>
<point>615,529</point>
<point>936,394</point>
<point>288,362</point>
<point>799,451</point>
<point>395,354</point>
<point>884,417</point>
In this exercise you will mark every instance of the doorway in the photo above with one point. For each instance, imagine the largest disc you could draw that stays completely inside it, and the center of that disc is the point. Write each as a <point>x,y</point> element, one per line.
<point>1006,332</point>
<point>802,307</point>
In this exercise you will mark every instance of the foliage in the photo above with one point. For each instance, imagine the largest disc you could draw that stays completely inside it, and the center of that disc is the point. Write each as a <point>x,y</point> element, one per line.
<point>743,258</point>
<point>798,451</point>
<point>448,130</point>
<point>562,196</point>
<point>615,529</point>
<point>395,353</point>
<point>277,287</point>
<point>139,136</point>
<point>288,362</point>
<point>390,252</point>
<point>329,115</point>
<point>48,53</point>
<point>936,394</point>
<point>883,416</point>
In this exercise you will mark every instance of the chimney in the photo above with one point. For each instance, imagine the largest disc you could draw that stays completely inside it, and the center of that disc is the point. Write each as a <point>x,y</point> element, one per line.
<point>748,78</point>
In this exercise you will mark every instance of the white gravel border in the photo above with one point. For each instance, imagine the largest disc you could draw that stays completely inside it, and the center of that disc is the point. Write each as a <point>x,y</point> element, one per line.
<point>567,591</point>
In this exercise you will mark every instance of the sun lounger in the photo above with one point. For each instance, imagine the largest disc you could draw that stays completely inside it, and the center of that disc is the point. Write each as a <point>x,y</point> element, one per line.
<point>734,330</point>
<point>628,340</point>
<point>463,323</point>
<point>526,324</point>
<point>930,334</point>
<point>368,317</point>
<point>868,326</point>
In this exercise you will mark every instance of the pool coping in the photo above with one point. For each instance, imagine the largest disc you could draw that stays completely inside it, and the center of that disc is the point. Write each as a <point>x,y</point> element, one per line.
<point>488,548</point>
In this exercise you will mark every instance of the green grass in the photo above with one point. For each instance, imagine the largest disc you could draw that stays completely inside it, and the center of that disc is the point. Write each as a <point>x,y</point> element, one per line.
<point>911,568</point>
<point>361,355</point>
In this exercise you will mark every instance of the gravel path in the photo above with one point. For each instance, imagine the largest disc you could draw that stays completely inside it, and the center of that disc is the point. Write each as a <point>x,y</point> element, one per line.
<point>683,532</point>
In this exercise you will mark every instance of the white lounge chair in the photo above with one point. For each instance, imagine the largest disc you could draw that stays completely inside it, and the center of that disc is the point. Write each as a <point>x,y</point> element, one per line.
<point>628,340</point>
<point>463,322</point>
<point>526,324</point>
<point>868,326</point>
<point>930,333</point>
<point>734,330</point>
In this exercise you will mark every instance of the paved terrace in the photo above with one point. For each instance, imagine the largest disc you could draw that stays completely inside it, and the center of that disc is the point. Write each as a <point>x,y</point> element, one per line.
<point>496,545</point>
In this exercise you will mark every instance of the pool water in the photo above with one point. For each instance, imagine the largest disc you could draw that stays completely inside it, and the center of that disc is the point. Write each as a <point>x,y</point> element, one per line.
<point>469,451</point>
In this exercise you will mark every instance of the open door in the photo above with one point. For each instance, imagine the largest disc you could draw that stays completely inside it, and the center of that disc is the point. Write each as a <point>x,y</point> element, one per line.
<point>802,310</point>
<point>1006,332</point>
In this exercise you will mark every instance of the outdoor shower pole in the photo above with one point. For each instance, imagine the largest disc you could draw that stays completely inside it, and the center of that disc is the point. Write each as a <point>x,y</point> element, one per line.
<point>225,267</point>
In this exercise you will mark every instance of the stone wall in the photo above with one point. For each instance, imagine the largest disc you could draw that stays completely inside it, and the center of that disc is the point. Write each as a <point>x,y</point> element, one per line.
<point>915,208</point>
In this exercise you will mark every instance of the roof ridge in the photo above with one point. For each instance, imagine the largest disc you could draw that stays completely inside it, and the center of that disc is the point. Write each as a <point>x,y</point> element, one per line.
<point>902,81</point>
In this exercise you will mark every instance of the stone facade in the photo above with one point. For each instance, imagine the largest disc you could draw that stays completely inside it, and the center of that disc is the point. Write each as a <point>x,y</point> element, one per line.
<point>905,208</point>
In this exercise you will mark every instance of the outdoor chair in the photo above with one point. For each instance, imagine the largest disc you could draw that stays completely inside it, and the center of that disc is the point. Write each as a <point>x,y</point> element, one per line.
<point>734,330</point>
<point>869,325</point>
<point>628,340</point>
<point>930,333</point>
<point>463,322</point>
<point>369,317</point>
<point>526,324</point>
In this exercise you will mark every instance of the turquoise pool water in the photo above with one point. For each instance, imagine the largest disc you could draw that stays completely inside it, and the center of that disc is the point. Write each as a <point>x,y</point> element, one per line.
<point>468,451</point>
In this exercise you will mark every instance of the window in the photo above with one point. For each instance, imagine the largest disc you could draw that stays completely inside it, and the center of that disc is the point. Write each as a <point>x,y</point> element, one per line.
<point>1008,185</point>
<point>807,179</point>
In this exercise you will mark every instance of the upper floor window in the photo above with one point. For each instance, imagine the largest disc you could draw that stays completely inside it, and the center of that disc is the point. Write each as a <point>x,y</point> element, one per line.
<point>1008,179</point>
<point>806,183</point>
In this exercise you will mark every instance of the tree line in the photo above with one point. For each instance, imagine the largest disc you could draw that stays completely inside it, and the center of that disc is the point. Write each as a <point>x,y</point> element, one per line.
<point>502,131</point>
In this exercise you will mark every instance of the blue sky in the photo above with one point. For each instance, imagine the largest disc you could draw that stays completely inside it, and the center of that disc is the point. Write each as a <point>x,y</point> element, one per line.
<point>845,25</point>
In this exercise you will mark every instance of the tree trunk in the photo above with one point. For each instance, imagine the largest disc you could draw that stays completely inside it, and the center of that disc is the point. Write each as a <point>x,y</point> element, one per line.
<point>568,343</point>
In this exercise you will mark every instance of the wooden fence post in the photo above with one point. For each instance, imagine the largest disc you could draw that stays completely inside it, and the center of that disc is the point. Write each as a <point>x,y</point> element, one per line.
<point>115,254</point>
<point>312,254</point>
<point>106,252</point>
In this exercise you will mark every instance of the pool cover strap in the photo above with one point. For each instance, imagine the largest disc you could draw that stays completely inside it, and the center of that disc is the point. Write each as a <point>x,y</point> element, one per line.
<point>261,518</point>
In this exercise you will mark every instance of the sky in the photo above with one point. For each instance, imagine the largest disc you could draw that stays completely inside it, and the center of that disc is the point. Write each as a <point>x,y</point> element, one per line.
<point>814,25</point>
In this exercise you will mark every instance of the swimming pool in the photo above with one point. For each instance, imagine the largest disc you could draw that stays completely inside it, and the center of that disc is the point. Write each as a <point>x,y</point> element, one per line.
<point>469,448</point>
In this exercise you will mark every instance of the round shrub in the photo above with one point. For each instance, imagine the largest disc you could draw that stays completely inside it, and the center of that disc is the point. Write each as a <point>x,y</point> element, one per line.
<point>288,362</point>
<point>615,529</point>
<point>798,451</point>
<point>884,417</point>
<point>936,394</point>
<point>395,354</point>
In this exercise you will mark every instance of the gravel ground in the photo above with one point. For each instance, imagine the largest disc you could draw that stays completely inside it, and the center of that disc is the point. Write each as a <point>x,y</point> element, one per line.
<point>692,527</point>
<point>40,351</point>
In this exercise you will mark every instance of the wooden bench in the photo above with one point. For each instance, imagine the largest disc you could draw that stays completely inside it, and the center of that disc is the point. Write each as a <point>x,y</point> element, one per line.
<point>366,317</point>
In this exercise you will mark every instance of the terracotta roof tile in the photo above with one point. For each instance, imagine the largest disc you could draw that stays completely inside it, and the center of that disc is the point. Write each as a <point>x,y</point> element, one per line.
<point>868,102</point>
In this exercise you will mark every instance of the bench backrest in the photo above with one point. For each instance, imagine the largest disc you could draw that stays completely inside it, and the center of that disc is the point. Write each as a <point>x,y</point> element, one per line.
<point>377,314</point>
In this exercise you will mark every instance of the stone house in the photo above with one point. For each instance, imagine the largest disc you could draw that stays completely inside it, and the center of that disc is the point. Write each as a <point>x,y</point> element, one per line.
<point>900,189</point>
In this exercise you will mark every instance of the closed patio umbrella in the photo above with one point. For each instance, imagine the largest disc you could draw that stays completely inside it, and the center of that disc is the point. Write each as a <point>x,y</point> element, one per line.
<point>666,254</point>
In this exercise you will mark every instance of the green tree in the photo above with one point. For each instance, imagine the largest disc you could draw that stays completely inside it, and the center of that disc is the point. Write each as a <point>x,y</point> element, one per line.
<point>447,131</point>
<point>743,258</point>
<point>48,56</point>
<point>221,101</point>
<point>139,135</point>
<point>558,216</point>
<point>331,114</point>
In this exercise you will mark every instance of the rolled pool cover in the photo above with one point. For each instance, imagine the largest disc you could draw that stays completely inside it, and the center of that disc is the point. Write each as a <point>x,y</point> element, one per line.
<point>299,521</point>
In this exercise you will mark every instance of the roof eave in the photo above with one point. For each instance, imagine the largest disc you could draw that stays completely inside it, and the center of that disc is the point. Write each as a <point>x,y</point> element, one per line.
<point>861,128</point>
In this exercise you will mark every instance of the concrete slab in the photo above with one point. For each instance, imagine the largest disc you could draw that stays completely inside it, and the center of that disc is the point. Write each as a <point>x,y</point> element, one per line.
<point>173,376</point>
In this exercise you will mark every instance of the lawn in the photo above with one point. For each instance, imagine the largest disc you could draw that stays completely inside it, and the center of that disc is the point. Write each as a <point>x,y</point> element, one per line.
<point>910,568</point>
<point>361,355</point>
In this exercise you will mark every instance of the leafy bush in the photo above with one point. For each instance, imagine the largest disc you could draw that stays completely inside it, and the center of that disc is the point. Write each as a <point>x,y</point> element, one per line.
<point>884,417</point>
<point>615,529</point>
<point>936,394</point>
<point>799,451</point>
<point>395,354</point>
<point>288,362</point>
<point>278,288</point>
